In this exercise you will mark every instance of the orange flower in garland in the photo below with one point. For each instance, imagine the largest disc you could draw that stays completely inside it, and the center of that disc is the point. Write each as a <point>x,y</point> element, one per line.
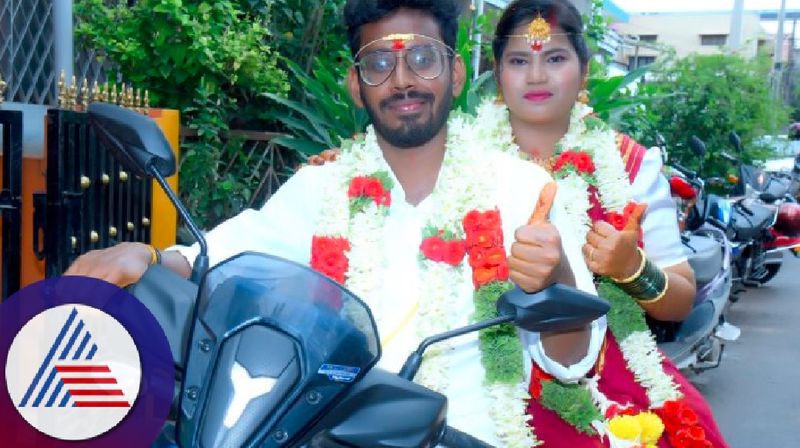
<point>328,256</point>
<point>484,243</point>
<point>682,425</point>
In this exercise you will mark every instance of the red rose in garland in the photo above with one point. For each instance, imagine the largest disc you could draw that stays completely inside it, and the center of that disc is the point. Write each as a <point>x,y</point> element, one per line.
<point>328,256</point>
<point>375,188</point>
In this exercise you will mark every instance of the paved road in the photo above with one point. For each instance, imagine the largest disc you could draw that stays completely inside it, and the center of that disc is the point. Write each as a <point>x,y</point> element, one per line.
<point>755,393</point>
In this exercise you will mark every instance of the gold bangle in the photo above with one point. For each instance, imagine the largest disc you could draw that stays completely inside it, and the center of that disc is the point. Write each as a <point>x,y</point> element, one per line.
<point>154,258</point>
<point>660,295</point>
<point>638,271</point>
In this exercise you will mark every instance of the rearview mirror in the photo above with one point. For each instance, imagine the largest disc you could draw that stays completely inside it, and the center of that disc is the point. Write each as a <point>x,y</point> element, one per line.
<point>135,139</point>
<point>697,146</point>
<point>555,308</point>
<point>733,137</point>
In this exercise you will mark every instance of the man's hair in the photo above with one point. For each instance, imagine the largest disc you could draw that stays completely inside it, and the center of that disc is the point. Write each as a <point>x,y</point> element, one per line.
<point>358,13</point>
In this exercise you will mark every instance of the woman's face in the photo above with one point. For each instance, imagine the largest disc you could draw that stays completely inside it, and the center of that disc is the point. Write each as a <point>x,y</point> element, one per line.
<point>541,87</point>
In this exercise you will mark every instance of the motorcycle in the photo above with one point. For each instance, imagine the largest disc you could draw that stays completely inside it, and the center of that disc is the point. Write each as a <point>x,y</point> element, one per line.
<point>698,342</point>
<point>766,222</point>
<point>270,353</point>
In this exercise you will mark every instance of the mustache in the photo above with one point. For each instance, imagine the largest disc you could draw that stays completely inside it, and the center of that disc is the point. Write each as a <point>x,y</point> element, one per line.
<point>412,95</point>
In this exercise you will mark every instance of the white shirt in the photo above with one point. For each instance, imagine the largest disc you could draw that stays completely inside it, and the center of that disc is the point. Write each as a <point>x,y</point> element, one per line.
<point>284,226</point>
<point>662,239</point>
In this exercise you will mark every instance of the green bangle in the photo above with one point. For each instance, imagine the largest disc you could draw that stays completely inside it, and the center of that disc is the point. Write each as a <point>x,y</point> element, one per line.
<point>649,286</point>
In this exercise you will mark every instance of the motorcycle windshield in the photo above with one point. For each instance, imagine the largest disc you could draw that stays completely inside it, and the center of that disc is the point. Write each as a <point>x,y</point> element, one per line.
<point>335,329</point>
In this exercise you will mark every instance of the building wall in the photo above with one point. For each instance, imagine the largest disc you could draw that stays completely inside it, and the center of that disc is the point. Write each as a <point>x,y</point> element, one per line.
<point>684,32</point>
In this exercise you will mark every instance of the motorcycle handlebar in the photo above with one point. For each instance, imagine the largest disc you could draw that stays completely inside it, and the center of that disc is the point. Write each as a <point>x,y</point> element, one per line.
<point>729,157</point>
<point>685,171</point>
<point>454,438</point>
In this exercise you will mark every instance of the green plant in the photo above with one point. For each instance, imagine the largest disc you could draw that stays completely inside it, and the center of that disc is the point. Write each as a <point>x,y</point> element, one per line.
<point>212,60</point>
<point>328,113</point>
<point>709,96</point>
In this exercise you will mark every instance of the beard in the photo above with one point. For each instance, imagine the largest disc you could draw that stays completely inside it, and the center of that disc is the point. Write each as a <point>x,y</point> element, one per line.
<point>414,131</point>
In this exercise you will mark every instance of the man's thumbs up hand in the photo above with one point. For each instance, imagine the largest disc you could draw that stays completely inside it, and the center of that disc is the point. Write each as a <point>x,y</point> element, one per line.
<point>537,260</point>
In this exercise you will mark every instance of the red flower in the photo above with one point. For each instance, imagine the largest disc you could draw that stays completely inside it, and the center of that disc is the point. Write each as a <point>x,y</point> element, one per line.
<point>563,159</point>
<point>484,238</point>
<point>433,248</point>
<point>476,221</point>
<point>328,256</point>
<point>476,258</point>
<point>617,220</point>
<point>538,376</point>
<point>455,251</point>
<point>494,257</point>
<point>369,187</point>
<point>484,276</point>
<point>583,163</point>
<point>374,189</point>
<point>502,272</point>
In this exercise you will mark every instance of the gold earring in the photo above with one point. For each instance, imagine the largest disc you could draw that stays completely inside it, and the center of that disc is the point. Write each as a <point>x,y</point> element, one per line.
<point>583,96</point>
<point>500,98</point>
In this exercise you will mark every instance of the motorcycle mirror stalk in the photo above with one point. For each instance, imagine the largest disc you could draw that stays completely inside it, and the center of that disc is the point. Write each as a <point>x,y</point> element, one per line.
<point>142,149</point>
<point>557,308</point>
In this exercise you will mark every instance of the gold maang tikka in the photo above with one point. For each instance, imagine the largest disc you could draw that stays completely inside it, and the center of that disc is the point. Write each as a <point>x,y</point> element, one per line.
<point>539,33</point>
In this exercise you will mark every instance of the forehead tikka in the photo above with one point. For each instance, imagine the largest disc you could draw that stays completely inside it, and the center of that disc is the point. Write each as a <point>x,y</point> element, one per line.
<point>539,32</point>
<point>400,41</point>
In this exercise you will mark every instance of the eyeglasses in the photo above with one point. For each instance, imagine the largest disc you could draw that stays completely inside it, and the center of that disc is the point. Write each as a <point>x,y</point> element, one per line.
<point>427,61</point>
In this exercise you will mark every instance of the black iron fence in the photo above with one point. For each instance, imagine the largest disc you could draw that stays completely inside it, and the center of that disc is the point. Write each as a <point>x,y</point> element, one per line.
<point>10,200</point>
<point>91,202</point>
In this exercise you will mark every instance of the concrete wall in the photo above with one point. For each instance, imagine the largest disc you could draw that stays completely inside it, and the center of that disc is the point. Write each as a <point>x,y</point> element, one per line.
<point>683,31</point>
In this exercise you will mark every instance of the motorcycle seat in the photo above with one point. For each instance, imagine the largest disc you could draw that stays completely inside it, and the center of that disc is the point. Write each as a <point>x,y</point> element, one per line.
<point>705,255</point>
<point>748,227</point>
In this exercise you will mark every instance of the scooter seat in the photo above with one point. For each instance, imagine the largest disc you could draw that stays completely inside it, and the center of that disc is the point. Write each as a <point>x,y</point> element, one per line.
<point>748,227</point>
<point>705,255</point>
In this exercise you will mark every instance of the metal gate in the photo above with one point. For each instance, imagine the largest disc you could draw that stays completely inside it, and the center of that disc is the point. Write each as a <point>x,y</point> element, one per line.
<point>10,199</point>
<point>91,202</point>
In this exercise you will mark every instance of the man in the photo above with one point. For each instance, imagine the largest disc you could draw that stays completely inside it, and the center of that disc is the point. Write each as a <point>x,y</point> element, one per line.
<point>406,76</point>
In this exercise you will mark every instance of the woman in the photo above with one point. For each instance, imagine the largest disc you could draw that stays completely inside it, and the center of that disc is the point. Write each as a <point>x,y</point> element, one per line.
<point>622,208</point>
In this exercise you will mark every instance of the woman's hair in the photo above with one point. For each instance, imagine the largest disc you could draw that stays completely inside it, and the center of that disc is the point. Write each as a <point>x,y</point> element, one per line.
<point>522,12</point>
<point>358,13</point>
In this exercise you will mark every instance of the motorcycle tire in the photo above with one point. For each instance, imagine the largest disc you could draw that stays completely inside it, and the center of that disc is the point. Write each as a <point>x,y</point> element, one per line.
<point>772,271</point>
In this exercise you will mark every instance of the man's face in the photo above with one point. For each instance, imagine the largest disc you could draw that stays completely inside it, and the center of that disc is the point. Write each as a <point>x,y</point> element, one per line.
<point>406,110</point>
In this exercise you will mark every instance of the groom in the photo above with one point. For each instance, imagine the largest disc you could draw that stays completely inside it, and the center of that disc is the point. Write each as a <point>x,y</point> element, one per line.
<point>406,76</point>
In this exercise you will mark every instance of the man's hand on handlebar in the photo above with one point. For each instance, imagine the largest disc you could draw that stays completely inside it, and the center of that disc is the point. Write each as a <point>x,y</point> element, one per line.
<point>122,265</point>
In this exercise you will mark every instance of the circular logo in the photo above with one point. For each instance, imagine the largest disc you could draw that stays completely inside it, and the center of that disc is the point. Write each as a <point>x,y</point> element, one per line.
<point>73,356</point>
<point>85,364</point>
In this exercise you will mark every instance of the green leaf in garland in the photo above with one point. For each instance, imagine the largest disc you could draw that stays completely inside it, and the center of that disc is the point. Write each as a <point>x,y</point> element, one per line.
<point>573,403</point>
<point>625,316</point>
<point>359,204</point>
<point>501,349</point>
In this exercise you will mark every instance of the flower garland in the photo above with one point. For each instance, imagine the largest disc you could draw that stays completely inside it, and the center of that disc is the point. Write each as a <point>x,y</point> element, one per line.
<point>594,186</point>
<point>347,247</point>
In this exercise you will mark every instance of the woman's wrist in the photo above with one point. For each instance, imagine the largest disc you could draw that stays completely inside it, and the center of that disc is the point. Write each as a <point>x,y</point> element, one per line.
<point>648,285</point>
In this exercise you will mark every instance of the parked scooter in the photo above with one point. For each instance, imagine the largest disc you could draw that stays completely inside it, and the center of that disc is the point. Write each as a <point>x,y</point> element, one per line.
<point>765,223</point>
<point>697,343</point>
<point>317,385</point>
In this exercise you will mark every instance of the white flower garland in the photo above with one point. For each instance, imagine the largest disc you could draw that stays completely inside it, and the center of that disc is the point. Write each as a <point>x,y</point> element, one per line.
<point>463,185</point>
<point>639,349</point>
